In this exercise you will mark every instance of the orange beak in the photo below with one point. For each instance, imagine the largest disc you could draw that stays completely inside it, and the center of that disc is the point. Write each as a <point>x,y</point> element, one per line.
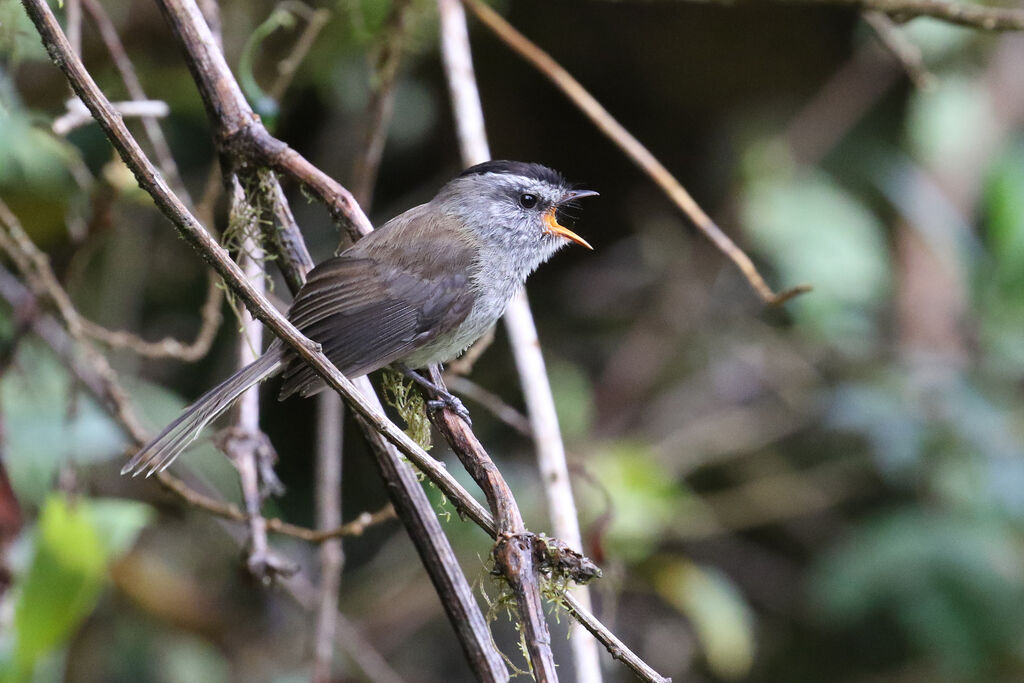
<point>553,228</point>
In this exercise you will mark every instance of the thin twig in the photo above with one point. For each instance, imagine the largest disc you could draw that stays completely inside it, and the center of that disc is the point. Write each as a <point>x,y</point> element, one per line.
<point>77,115</point>
<point>906,52</point>
<point>150,124</point>
<point>522,331</point>
<point>382,100</point>
<point>958,13</point>
<point>489,400</point>
<point>316,19</point>
<point>74,14</point>
<point>633,148</point>
<point>30,258</point>
<point>330,417</point>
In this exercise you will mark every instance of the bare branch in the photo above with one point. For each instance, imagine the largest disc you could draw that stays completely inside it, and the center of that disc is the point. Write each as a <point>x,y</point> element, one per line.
<point>489,400</point>
<point>330,417</point>
<point>316,19</point>
<point>521,329</point>
<point>134,86</point>
<point>77,115</point>
<point>959,13</point>
<point>382,99</point>
<point>902,48</point>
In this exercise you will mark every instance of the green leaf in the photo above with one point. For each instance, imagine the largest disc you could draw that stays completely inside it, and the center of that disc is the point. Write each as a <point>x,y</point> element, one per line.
<point>952,584</point>
<point>1004,206</point>
<point>814,231</point>
<point>939,116</point>
<point>63,581</point>
<point>45,426</point>
<point>75,540</point>
<point>721,617</point>
<point>644,497</point>
<point>574,398</point>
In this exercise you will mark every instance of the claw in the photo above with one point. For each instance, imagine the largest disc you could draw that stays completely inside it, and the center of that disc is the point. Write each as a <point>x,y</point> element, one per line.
<point>452,403</point>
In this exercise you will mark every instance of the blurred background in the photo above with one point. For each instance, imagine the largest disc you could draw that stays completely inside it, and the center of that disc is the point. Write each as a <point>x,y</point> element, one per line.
<point>830,490</point>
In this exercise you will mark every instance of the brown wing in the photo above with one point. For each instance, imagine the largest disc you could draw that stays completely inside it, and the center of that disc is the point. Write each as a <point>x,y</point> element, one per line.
<point>366,313</point>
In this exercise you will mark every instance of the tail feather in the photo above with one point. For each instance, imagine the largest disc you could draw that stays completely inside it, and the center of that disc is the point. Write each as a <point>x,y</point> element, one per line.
<point>158,454</point>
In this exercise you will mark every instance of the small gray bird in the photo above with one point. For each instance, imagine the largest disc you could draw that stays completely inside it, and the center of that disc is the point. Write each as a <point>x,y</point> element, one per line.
<point>417,291</point>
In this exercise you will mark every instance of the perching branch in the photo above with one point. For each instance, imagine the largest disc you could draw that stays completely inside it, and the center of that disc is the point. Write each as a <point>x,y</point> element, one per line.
<point>514,551</point>
<point>522,331</point>
<point>241,137</point>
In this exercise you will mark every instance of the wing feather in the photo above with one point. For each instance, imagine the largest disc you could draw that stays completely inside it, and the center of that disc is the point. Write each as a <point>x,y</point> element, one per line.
<point>367,314</point>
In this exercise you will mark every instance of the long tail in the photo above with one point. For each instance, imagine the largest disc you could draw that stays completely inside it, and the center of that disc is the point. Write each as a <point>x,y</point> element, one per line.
<point>158,454</point>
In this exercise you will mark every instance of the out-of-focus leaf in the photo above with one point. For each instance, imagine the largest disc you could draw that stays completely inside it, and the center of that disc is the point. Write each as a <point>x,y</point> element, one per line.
<point>417,110</point>
<point>574,398</point>
<point>118,523</point>
<point>954,585</point>
<point>1004,205</point>
<point>939,116</point>
<point>75,540</point>
<point>29,156</point>
<point>18,38</point>
<point>36,399</point>
<point>643,496</point>
<point>937,39</point>
<point>63,581</point>
<point>888,420</point>
<point>721,617</point>
<point>816,232</point>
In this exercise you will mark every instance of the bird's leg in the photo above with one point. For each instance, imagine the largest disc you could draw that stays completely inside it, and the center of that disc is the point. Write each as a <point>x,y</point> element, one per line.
<point>436,388</point>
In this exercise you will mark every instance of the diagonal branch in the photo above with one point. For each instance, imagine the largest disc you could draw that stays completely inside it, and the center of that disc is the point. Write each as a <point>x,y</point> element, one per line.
<point>633,148</point>
<point>241,137</point>
<point>522,332</point>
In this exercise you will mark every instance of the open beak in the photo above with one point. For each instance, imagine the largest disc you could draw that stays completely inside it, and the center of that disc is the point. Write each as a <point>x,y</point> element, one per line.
<point>553,228</point>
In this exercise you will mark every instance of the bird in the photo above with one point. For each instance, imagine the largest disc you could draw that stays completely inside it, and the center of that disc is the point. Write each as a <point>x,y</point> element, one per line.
<point>417,291</point>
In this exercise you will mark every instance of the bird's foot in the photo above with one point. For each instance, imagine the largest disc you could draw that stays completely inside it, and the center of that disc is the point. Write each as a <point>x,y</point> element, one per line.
<point>443,398</point>
<point>446,400</point>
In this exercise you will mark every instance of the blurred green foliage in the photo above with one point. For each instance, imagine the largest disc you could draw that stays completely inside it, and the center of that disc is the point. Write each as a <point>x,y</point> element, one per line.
<point>75,540</point>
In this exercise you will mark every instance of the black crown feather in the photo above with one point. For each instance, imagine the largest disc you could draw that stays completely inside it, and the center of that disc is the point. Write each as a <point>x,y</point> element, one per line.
<point>520,168</point>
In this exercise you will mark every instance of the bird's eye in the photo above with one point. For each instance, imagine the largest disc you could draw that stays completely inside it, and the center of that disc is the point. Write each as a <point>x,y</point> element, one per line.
<point>527,200</point>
